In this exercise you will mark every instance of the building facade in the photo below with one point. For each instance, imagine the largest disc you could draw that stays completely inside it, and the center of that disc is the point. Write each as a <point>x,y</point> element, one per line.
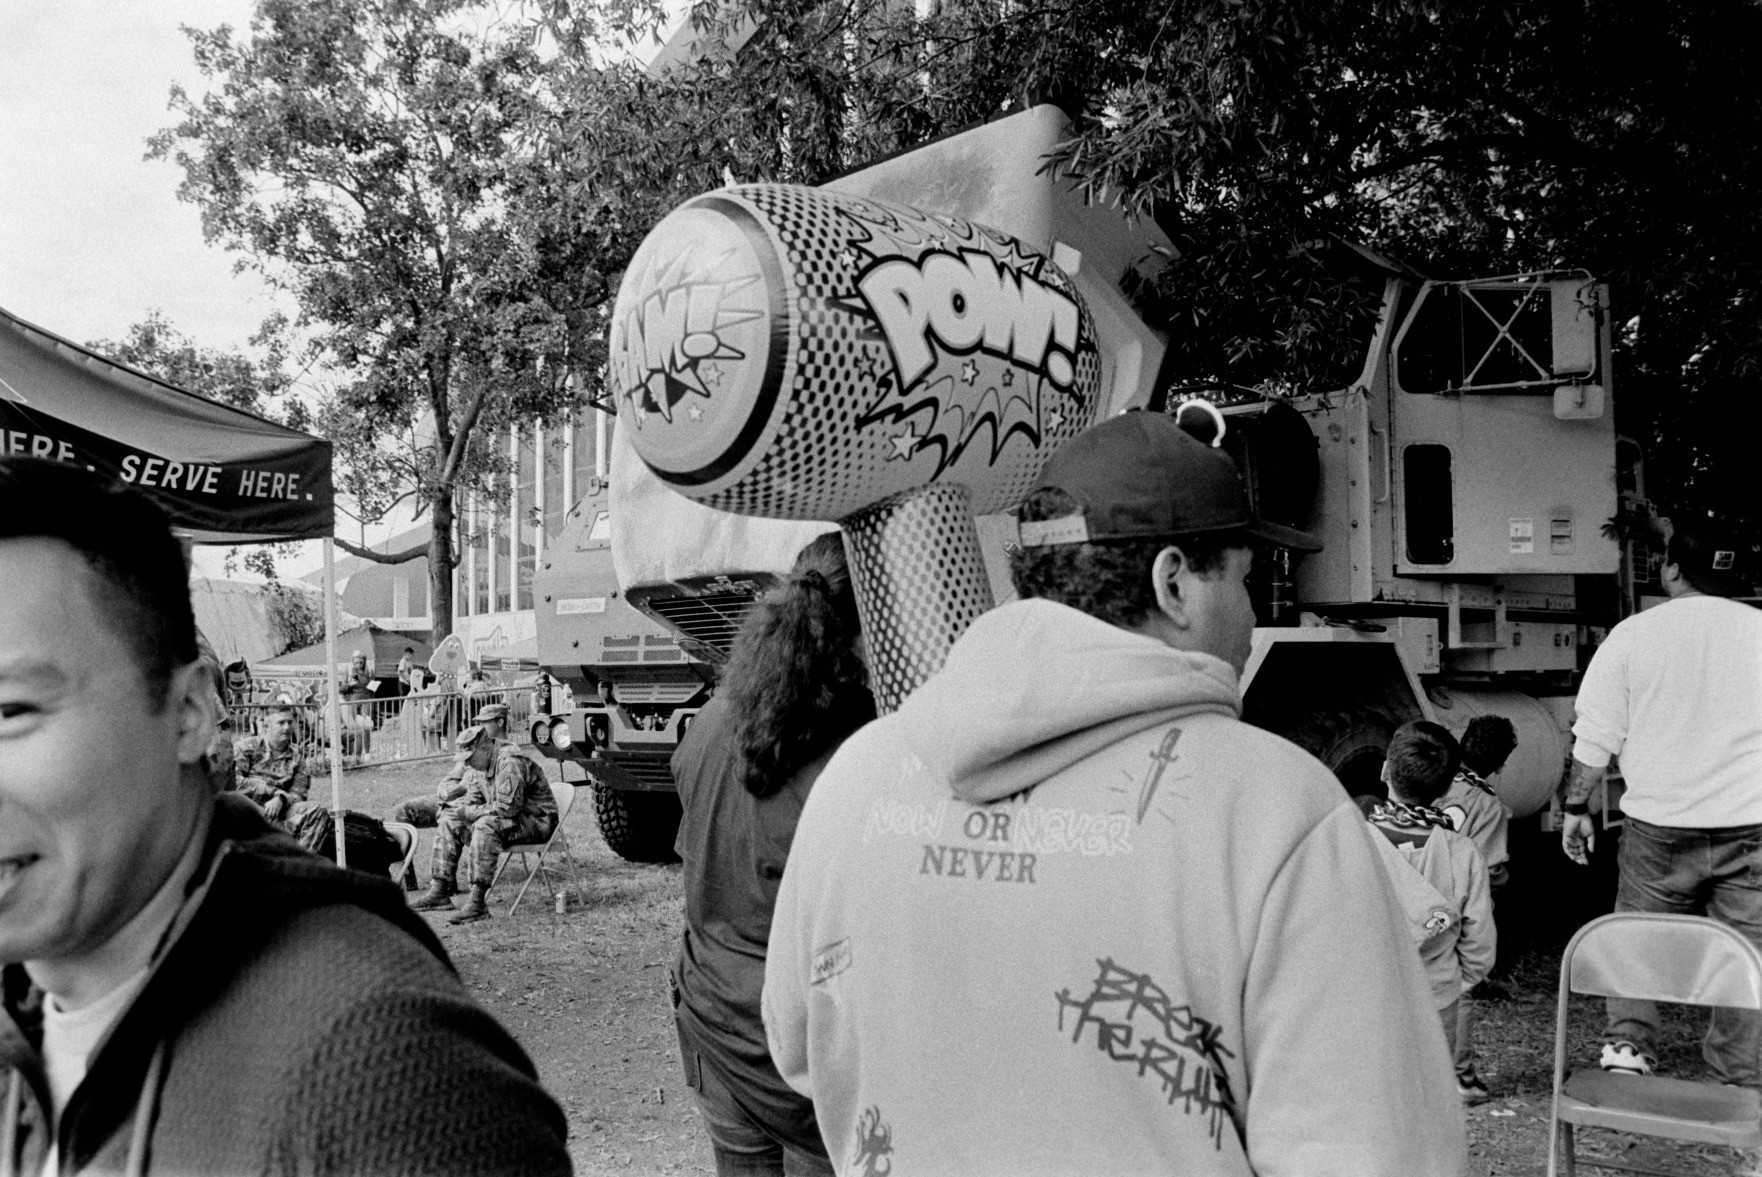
<point>549,469</point>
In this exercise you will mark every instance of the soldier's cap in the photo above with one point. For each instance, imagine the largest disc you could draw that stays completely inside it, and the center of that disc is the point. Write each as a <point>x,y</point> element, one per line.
<point>1141,476</point>
<point>468,738</point>
<point>490,711</point>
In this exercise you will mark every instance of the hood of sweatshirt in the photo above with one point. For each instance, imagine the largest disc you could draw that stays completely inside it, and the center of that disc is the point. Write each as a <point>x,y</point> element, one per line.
<point>1032,687</point>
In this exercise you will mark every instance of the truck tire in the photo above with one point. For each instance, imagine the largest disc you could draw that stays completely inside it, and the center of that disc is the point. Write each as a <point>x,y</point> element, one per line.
<point>638,827</point>
<point>1351,742</point>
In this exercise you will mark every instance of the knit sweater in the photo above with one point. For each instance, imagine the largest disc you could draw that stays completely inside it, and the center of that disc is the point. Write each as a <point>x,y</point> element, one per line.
<point>301,1019</point>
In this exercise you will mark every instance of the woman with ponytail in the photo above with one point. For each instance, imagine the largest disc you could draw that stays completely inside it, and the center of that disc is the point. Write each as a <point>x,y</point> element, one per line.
<point>794,688</point>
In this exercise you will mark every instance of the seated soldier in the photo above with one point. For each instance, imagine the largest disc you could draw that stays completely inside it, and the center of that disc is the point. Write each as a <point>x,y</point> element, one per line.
<point>272,772</point>
<point>423,810</point>
<point>509,802</point>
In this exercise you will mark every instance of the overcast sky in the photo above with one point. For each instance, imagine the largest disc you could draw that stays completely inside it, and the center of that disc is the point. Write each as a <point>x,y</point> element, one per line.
<point>92,236</point>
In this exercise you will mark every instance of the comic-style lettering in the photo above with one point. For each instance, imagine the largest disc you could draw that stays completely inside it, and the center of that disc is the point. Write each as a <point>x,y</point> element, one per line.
<point>967,302</point>
<point>1187,1059</point>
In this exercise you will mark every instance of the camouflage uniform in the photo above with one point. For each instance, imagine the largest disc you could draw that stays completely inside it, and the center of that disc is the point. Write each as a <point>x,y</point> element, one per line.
<point>424,809</point>
<point>510,803</point>
<point>274,780</point>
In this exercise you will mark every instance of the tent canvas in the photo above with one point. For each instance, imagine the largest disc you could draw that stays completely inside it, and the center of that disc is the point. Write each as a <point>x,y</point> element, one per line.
<point>222,474</point>
<point>383,648</point>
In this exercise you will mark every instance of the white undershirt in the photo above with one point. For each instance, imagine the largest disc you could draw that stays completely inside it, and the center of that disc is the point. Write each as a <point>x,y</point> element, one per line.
<point>69,1038</point>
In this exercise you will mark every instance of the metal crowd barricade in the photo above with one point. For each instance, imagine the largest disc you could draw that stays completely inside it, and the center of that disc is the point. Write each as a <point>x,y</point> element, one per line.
<point>387,731</point>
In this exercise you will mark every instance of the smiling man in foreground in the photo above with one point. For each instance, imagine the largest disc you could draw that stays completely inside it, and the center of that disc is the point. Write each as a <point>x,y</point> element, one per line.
<point>186,990</point>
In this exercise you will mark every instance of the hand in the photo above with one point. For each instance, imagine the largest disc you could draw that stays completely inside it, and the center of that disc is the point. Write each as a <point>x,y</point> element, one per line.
<point>1578,837</point>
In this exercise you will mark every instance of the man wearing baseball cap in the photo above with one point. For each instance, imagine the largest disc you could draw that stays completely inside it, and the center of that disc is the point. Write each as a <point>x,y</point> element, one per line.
<point>506,800</point>
<point>424,809</point>
<point>1064,912</point>
<point>1676,693</point>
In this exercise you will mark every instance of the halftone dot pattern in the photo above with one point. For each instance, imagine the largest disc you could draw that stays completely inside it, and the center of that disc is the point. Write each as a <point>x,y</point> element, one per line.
<point>919,580</point>
<point>818,464</point>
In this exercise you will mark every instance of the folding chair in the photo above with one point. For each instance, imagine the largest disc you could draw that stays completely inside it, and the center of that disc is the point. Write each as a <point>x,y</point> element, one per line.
<point>1677,958</point>
<point>405,836</point>
<point>565,795</point>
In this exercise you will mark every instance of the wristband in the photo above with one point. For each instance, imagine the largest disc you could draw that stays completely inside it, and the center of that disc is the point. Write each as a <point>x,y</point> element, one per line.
<point>1575,808</point>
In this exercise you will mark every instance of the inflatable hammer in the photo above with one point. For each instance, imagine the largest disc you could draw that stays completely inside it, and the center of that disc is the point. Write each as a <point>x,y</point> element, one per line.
<point>797,353</point>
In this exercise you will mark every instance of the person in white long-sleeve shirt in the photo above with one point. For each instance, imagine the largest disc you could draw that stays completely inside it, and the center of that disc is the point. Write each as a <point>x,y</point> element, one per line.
<point>1676,693</point>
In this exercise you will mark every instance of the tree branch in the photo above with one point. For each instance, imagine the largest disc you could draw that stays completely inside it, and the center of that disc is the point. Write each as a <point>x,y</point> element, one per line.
<point>462,434</point>
<point>403,557</point>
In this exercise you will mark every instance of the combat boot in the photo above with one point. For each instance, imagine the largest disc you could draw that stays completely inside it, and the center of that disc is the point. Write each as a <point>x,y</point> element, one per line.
<point>475,908</point>
<point>438,897</point>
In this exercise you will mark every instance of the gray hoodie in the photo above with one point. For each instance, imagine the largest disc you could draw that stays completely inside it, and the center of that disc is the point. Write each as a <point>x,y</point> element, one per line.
<point>1064,913</point>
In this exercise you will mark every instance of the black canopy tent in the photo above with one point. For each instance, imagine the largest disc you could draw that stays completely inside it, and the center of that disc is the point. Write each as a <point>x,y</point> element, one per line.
<point>223,475</point>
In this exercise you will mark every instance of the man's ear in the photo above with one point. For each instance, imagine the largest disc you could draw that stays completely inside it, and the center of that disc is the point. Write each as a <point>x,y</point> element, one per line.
<point>1169,577</point>
<point>192,695</point>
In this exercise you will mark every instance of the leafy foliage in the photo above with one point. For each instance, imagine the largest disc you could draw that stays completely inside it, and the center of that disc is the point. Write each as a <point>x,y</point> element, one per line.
<point>1467,139</point>
<point>452,190</point>
<point>158,348</point>
<point>356,151</point>
<point>297,616</point>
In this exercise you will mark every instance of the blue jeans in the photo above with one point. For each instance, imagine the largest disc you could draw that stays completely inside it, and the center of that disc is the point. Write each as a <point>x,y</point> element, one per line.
<point>1716,873</point>
<point>744,1144</point>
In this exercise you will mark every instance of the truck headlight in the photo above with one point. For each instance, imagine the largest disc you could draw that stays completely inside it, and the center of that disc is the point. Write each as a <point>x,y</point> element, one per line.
<point>560,737</point>
<point>541,733</point>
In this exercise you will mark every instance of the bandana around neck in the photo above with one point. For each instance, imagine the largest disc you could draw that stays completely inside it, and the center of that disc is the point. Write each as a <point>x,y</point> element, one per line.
<point>1473,779</point>
<point>1399,815</point>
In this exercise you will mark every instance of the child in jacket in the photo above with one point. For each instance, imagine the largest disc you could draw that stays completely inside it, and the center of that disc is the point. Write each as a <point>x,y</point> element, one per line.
<point>1445,887</point>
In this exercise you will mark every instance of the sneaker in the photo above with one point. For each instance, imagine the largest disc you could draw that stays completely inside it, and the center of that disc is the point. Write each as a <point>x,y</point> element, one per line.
<point>1624,1058</point>
<point>1471,1089</point>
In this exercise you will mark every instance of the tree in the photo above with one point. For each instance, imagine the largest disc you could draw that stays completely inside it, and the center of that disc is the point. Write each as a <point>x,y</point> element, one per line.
<point>158,348</point>
<point>356,152</point>
<point>1470,140</point>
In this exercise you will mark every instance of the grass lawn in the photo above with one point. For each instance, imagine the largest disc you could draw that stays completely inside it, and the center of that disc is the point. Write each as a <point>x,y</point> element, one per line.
<point>586,994</point>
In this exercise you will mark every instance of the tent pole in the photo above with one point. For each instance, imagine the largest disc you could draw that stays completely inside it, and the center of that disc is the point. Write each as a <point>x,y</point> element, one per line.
<point>334,706</point>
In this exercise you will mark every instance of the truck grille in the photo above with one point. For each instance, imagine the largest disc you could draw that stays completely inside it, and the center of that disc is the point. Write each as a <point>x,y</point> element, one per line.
<point>713,620</point>
<point>655,694</point>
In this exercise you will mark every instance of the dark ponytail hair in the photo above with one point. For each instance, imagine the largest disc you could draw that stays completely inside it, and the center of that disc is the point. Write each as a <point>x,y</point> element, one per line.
<point>794,681</point>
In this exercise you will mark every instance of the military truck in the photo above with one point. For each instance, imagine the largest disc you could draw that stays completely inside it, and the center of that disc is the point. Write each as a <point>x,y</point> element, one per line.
<point>1461,484</point>
<point>634,684</point>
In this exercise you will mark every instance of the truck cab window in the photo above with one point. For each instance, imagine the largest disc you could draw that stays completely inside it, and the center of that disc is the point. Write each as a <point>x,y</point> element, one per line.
<point>1431,528</point>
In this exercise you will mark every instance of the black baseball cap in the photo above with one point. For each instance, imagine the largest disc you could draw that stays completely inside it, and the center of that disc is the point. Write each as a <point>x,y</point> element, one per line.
<point>1141,476</point>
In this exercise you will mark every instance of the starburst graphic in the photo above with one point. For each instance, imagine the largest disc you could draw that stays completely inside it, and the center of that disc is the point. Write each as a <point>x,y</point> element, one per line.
<point>958,402</point>
<point>671,336</point>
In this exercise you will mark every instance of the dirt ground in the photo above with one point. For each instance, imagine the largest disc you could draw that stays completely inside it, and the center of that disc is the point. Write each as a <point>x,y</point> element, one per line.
<point>586,994</point>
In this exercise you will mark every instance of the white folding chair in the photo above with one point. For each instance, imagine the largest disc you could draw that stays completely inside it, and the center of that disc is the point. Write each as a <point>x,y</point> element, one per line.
<point>1685,959</point>
<point>405,836</point>
<point>565,796</point>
